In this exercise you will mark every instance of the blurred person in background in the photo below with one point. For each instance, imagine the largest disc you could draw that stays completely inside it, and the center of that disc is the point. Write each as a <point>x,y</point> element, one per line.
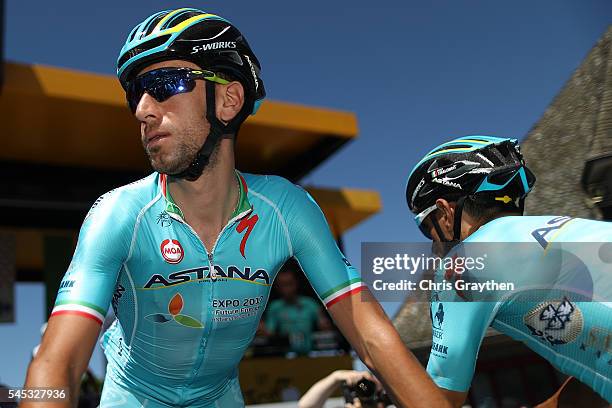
<point>293,315</point>
<point>187,255</point>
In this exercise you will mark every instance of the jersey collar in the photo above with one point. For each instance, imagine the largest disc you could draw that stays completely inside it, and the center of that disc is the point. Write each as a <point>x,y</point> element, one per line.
<point>243,208</point>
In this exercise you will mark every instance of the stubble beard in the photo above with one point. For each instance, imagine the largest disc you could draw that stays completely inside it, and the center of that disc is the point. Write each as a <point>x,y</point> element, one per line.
<point>181,155</point>
<point>172,162</point>
<point>177,154</point>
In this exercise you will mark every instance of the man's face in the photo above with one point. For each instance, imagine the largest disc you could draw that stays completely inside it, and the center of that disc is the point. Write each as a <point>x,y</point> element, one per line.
<point>286,284</point>
<point>173,131</point>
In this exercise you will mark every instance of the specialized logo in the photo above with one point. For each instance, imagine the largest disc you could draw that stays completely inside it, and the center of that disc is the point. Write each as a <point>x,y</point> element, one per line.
<point>417,189</point>
<point>252,72</point>
<point>558,322</point>
<point>247,223</point>
<point>441,170</point>
<point>175,306</point>
<point>172,251</point>
<point>259,276</point>
<point>213,46</point>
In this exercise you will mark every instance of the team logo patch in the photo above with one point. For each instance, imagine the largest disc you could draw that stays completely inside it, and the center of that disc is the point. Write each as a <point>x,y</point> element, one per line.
<point>172,251</point>
<point>557,322</point>
<point>247,223</point>
<point>175,307</point>
<point>164,219</point>
<point>439,317</point>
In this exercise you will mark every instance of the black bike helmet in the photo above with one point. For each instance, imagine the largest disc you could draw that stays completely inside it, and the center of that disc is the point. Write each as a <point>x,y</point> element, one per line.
<point>484,168</point>
<point>207,40</point>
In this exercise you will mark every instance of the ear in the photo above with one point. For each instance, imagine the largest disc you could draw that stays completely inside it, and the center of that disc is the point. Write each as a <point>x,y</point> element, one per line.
<point>229,100</point>
<point>447,212</point>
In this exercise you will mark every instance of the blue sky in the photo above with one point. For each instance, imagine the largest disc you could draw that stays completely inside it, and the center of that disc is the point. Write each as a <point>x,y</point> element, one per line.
<point>415,73</point>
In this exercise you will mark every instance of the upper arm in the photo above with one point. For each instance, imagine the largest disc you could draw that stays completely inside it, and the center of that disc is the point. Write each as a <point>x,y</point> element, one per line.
<point>84,294</point>
<point>328,271</point>
<point>68,342</point>
<point>457,332</point>
<point>354,314</point>
<point>456,398</point>
<point>104,240</point>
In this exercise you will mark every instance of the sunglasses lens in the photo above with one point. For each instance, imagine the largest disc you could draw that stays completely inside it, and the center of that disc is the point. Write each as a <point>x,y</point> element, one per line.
<point>159,86</point>
<point>133,94</point>
<point>170,86</point>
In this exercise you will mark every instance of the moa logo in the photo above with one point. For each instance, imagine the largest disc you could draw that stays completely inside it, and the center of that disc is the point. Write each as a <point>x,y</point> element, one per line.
<point>172,251</point>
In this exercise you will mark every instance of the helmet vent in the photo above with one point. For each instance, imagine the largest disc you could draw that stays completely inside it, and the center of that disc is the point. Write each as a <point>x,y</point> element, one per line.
<point>453,146</point>
<point>180,17</point>
<point>155,42</point>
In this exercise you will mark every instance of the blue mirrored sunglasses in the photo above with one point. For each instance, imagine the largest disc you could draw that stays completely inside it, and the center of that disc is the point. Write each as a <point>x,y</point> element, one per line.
<point>164,83</point>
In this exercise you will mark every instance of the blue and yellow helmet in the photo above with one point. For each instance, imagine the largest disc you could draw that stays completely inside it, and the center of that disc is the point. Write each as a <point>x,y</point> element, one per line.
<point>485,168</point>
<point>190,34</point>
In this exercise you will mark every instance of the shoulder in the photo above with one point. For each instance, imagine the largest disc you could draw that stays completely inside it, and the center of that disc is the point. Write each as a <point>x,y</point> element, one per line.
<point>512,228</point>
<point>276,192</point>
<point>274,188</point>
<point>123,204</point>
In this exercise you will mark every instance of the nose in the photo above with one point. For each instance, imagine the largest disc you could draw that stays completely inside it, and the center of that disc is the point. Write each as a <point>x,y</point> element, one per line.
<point>148,109</point>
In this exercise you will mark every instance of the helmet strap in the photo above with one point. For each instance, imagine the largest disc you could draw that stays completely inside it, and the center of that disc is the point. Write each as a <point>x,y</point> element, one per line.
<point>457,220</point>
<point>521,205</point>
<point>439,231</point>
<point>218,130</point>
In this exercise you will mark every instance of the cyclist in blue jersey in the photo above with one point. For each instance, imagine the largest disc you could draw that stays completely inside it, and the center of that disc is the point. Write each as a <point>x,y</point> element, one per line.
<point>471,190</point>
<point>187,256</point>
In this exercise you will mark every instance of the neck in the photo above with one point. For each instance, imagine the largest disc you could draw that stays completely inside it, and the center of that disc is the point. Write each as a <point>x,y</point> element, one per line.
<point>470,225</point>
<point>212,198</point>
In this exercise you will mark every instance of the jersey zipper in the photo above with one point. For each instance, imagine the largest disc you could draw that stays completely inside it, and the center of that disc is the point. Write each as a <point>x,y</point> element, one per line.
<point>213,278</point>
<point>210,255</point>
<point>231,222</point>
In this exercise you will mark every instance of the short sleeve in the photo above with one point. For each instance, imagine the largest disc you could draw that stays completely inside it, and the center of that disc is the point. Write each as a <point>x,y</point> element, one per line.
<point>102,248</point>
<point>327,269</point>
<point>457,332</point>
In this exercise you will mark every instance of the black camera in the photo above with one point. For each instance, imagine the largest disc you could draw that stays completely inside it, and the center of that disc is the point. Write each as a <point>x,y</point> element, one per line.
<point>365,391</point>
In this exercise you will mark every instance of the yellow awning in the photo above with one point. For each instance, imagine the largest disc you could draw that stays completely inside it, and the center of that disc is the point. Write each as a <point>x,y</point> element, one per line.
<point>60,119</point>
<point>345,208</point>
<point>63,117</point>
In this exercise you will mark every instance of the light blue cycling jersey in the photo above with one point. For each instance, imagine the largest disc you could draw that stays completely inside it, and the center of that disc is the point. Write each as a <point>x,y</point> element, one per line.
<point>569,324</point>
<point>185,313</point>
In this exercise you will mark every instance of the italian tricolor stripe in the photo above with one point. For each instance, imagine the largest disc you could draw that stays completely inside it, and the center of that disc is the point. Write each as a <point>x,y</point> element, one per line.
<point>340,292</point>
<point>85,310</point>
